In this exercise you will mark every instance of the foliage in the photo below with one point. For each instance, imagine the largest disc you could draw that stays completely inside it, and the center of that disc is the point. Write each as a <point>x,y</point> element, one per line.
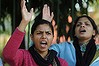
<point>61,8</point>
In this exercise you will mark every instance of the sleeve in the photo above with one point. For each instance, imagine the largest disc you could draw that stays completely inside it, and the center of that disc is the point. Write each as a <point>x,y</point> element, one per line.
<point>57,48</point>
<point>66,51</point>
<point>11,48</point>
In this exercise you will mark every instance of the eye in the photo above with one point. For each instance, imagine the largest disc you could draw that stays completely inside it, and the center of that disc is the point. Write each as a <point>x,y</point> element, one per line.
<point>38,33</point>
<point>48,33</point>
<point>78,24</point>
<point>88,24</point>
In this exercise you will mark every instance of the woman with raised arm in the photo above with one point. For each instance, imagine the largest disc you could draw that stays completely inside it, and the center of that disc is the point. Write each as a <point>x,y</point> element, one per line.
<point>41,35</point>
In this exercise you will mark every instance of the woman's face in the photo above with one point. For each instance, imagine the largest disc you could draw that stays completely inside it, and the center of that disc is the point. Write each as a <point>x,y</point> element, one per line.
<point>84,29</point>
<point>42,38</point>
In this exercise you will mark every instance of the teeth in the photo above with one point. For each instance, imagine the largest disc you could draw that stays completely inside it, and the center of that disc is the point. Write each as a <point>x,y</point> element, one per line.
<point>43,42</point>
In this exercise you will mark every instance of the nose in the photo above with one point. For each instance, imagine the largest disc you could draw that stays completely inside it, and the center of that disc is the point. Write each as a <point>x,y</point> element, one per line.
<point>82,25</point>
<point>43,35</point>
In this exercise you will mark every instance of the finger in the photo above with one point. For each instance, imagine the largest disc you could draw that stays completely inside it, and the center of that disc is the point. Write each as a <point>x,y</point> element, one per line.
<point>24,7</point>
<point>45,9</point>
<point>21,3</point>
<point>52,15</point>
<point>31,12</point>
<point>48,11</point>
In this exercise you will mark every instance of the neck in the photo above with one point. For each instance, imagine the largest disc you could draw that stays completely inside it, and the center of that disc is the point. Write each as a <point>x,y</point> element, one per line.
<point>81,42</point>
<point>42,53</point>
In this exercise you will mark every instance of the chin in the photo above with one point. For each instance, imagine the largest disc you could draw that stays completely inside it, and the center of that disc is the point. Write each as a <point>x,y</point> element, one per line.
<point>44,50</point>
<point>82,37</point>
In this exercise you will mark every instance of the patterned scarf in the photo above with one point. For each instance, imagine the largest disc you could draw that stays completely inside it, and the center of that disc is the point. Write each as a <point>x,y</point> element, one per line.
<point>89,54</point>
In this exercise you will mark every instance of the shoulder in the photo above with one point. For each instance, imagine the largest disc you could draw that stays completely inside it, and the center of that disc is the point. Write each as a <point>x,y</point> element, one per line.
<point>96,59</point>
<point>62,45</point>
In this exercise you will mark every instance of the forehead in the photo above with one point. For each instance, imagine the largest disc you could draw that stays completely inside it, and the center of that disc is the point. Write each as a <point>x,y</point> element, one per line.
<point>43,27</point>
<point>83,19</point>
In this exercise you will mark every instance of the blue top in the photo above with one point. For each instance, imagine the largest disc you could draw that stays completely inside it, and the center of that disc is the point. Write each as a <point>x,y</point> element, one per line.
<point>66,51</point>
<point>1,63</point>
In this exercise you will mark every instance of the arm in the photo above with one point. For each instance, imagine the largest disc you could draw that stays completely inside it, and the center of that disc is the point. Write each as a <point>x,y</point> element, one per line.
<point>10,50</point>
<point>15,40</point>
<point>26,16</point>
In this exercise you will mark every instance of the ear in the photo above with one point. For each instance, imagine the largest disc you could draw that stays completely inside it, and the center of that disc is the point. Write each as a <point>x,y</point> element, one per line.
<point>31,37</point>
<point>94,32</point>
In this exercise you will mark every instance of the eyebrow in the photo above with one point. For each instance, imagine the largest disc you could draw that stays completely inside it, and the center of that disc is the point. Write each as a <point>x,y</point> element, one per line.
<point>42,31</point>
<point>84,21</point>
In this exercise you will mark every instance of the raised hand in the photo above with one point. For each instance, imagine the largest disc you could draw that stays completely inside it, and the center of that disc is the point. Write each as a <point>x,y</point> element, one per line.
<point>46,13</point>
<point>26,16</point>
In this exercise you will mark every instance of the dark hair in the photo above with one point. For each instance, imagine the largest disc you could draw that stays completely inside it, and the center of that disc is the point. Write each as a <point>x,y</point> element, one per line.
<point>39,21</point>
<point>89,18</point>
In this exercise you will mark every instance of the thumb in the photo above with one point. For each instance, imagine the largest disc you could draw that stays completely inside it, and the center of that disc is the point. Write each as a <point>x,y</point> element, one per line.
<point>31,11</point>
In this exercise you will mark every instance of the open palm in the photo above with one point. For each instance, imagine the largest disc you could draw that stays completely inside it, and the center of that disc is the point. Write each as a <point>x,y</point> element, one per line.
<point>26,16</point>
<point>46,13</point>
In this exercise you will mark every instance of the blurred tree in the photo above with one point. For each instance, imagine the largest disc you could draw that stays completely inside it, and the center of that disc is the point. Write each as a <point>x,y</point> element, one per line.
<point>63,9</point>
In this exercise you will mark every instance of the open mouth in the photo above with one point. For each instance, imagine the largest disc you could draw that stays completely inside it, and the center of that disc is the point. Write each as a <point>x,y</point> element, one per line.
<point>82,31</point>
<point>43,42</point>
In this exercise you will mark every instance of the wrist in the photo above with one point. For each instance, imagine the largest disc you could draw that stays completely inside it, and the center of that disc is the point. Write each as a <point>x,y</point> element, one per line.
<point>22,26</point>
